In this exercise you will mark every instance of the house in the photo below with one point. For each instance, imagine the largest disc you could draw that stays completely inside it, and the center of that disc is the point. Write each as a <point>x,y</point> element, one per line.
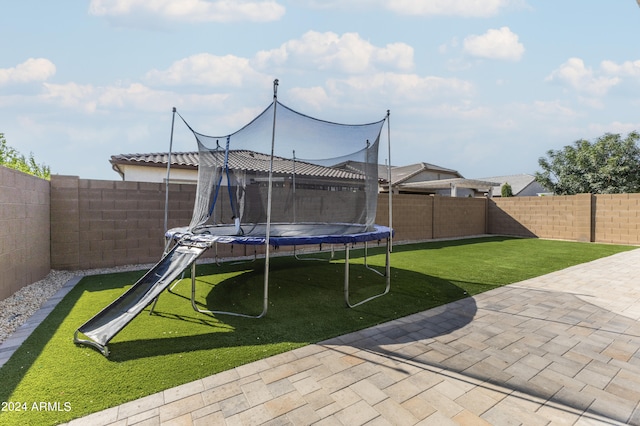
<point>431,179</point>
<point>250,164</point>
<point>421,177</point>
<point>522,185</point>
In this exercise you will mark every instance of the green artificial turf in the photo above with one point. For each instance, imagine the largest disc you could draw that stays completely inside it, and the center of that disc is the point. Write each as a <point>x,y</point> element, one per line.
<point>177,345</point>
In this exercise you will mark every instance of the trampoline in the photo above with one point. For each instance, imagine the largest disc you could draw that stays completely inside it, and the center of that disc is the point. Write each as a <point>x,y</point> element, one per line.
<point>281,234</point>
<point>296,195</point>
<point>317,185</point>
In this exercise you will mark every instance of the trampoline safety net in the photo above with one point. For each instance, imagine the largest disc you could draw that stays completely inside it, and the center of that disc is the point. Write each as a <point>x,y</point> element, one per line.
<point>303,175</point>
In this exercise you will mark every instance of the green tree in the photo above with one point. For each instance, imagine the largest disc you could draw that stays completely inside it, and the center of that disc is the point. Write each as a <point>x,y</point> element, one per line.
<point>506,190</point>
<point>11,158</point>
<point>610,165</point>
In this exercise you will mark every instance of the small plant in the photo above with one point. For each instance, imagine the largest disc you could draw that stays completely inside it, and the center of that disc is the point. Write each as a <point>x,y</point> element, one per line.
<point>506,190</point>
<point>11,158</point>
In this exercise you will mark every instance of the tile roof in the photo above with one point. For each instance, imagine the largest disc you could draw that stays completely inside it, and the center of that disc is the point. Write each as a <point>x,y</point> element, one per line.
<point>259,162</point>
<point>399,174</point>
<point>238,160</point>
<point>178,159</point>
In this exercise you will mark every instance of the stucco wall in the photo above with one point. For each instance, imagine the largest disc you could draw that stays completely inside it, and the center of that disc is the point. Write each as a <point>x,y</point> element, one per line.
<point>24,230</point>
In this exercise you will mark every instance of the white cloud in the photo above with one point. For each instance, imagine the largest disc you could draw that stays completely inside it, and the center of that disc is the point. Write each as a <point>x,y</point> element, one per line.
<point>91,99</point>
<point>614,127</point>
<point>190,10</point>
<point>71,95</point>
<point>463,110</point>
<point>495,44</point>
<point>575,74</point>
<point>31,70</point>
<point>372,92</point>
<point>135,96</point>
<point>414,87</point>
<point>402,87</point>
<point>315,97</point>
<point>464,8</point>
<point>626,69</point>
<point>347,53</point>
<point>209,70</point>
<point>399,55</point>
<point>342,4</point>
<point>554,109</point>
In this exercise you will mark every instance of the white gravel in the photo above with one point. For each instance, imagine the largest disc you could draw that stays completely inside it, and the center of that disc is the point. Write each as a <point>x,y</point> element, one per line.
<point>17,308</point>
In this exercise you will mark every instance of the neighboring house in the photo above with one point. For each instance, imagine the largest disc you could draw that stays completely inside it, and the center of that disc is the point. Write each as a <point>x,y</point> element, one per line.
<point>522,185</point>
<point>431,179</point>
<point>422,177</point>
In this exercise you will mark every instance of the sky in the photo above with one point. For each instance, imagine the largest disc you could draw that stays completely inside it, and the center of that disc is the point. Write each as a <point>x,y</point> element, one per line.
<point>482,87</point>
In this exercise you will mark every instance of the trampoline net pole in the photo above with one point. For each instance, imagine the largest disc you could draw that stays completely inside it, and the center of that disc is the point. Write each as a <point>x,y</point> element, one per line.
<point>390,240</point>
<point>166,195</point>
<point>346,274</point>
<point>269,202</point>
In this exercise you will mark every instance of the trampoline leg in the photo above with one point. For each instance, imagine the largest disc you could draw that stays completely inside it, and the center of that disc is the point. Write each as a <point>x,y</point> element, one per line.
<point>237,314</point>
<point>346,277</point>
<point>366,265</point>
<point>387,266</point>
<point>153,306</point>
<point>170,290</point>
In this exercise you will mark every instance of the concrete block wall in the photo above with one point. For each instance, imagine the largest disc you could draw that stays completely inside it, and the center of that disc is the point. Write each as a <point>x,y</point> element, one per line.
<point>65,222</point>
<point>459,217</point>
<point>108,223</point>
<point>99,224</point>
<point>419,217</point>
<point>72,223</point>
<point>412,216</point>
<point>617,219</point>
<point>24,230</point>
<point>558,217</point>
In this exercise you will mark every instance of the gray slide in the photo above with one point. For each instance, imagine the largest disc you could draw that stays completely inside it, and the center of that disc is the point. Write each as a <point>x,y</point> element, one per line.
<point>108,322</point>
